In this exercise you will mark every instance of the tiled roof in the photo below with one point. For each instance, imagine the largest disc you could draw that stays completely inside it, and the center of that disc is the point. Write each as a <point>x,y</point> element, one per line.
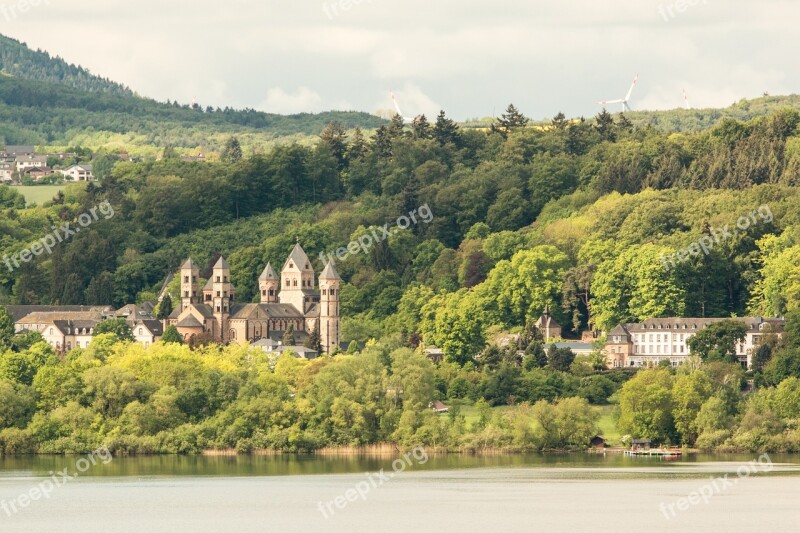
<point>189,322</point>
<point>329,272</point>
<point>269,273</point>
<point>222,264</point>
<point>299,258</point>
<point>18,312</point>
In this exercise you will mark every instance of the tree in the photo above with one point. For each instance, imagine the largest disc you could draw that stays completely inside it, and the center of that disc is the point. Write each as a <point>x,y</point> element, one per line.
<point>164,308</point>
<point>172,336</point>
<point>232,152</point>
<point>6,328</point>
<point>645,404</point>
<point>689,393</point>
<point>118,326</point>
<point>314,342</point>
<point>445,131</point>
<point>718,341</point>
<point>288,336</point>
<point>509,121</point>
<point>560,358</point>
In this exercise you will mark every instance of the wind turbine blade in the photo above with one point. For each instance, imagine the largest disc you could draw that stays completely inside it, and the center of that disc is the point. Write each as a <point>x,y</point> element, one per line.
<point>686,100</point>
<point>633,85</point>
<point>396,105</point>
<point>619,101</point>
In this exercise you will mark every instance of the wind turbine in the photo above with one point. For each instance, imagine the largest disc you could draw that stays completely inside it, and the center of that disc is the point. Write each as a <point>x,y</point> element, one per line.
<point>686,100</point>
<point>406,120</point>
<point>623,101</point>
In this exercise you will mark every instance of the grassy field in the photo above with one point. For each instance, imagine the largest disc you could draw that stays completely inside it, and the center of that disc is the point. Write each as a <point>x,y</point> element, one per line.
<point>608,427</point>
<point>39,193</point>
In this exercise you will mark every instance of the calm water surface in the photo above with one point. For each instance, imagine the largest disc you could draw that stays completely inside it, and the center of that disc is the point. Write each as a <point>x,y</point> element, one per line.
<point>446,494</point>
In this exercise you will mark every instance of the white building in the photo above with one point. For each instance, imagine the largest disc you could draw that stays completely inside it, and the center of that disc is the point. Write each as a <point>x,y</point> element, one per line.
<point>78,173</point>
<point>657,339</point>
<point>6,172</point>
<point>23,162</point>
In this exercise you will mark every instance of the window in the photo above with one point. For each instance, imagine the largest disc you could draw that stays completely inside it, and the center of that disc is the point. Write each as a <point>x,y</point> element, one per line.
<point>140,331</point>
<point>186,279</point>
<point>264,292</point>
<point>272,292</point>
<point>194,278</point>
<point>185,294</point>
<point>288,283</point>
<point>333,291</point>
<point>295,283</point>
<point>217,279</point>
<point>324,292</point>
<point>217,294</point>
<point>51,331</point>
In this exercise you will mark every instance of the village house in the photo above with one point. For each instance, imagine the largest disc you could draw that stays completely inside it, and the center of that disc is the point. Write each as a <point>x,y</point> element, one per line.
<point>81,172</point>
<point>548,326</point>
<point>19,150</point>
<point>666,339</point>
<point>6,172</point>
<point>23,162</point>
<point>291,301</point>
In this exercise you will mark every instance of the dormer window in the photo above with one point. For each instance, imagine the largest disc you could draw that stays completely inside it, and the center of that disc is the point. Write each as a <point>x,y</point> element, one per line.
<point>291,265</point>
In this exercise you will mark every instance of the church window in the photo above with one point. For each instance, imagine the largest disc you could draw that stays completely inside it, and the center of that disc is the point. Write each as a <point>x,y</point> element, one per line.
<point>264,292</point>
<point>217,294</point>
<point>324,292</point>
<point>217,279</point>
<point>288,283</point>
<point>185,294</point>
<point>272,292</point>
<point>295,283</point>
<point>186,279</point>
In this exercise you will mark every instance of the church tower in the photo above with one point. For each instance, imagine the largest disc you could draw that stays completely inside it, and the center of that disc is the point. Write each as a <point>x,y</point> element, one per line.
<point>297,280</point>
<point>190,284</point>
<point>222,293</point>
<point>329,283</point>
<point>268,284</point>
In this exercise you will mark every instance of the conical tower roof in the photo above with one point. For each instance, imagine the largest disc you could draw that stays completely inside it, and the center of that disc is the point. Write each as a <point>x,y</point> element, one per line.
<point>269,273</point>
<point>329,272</point>
<point>222,264</point>
<point>189,265</point>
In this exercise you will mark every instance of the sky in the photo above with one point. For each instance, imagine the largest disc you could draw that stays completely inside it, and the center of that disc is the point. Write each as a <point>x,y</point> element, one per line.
<point>467,57</point>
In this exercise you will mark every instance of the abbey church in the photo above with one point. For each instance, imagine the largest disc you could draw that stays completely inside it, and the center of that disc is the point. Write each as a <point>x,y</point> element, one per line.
<point>291,301</point>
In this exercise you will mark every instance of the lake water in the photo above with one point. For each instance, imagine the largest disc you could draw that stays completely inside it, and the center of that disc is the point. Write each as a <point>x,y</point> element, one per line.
<point>576,492</point>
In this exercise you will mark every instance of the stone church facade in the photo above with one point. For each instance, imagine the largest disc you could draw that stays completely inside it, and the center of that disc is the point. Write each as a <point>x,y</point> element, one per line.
<point>291,300</point>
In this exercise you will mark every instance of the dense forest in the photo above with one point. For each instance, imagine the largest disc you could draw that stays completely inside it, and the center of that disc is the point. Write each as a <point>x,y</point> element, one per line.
<point>45,101</point>
<point>579,216</point>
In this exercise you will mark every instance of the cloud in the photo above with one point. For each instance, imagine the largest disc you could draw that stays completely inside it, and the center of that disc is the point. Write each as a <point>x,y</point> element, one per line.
<point>301,100</point>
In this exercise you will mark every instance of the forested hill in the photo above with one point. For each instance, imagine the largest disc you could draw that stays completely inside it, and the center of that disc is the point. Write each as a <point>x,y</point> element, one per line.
<point>691,120</point>
<point>46,101</point>
<point>17,60</point>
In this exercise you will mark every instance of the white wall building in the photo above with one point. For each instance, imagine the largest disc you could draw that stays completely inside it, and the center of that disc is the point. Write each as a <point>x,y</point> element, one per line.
<point>656,339</point>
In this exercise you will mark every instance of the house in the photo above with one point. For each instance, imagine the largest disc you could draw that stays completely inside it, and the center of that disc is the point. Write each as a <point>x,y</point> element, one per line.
<point>548,326</point>
<point>641,444</point>
<point>434,354</point>
<point>36,173</point>
<point>147,331</point>
<point>597,442</point>
<point>16,150</point>
<point>438,407</point>
<point>273,346</point>
<point>6,172</point>
<point>666,339</point>
<point>22,162</point>
<point>78,173</point>
<point>291,301</point>
<point>62,330</point>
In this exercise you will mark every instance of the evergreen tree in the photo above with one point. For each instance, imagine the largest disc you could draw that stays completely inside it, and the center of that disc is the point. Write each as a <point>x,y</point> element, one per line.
<point>335,136</point>
<point>6,328</point>
<point>559,122</point>
<point>314,342</point>
<point>232,152</point>
<point>171,335</point>
<point>164,308</point>
<point>421,128</point>
<point>352,348</point>
<point>509,121</point>
<point>358,146</point>
<point>288,336</point>
<point>445,131</point>
<point>604,124</point>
